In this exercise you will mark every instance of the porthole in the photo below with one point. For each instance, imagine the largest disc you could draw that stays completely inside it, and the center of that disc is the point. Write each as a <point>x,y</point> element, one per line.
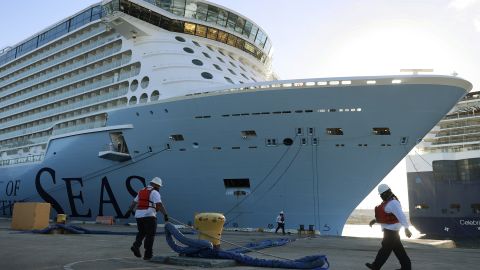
<point>188,50</point>
<point>229,80</point>
<point>133,100</point>
<point>196,43</point>
<point>197,62</point>
<point>181,39</point>
<point>287,141</point>
<point>145,82</point>
<point>144,98</point>
<point>195,145</point>
<point>233,72</point>
<point>220,59</point>
<point>217,67</point>
<point>210,48</point>
<point>207,75</point>
<point>155,95</point>
<point>243,68</point>
<point>231,63</point>
<point>134,85</point>
<point>221,52</point>
<point>206,55</point>
<point>245,76</point>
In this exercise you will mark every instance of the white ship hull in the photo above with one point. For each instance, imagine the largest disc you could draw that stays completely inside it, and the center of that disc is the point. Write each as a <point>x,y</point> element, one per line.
<point>315,183</point>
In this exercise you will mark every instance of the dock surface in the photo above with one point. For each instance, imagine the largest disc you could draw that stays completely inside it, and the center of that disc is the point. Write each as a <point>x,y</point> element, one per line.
<point>108,252</point>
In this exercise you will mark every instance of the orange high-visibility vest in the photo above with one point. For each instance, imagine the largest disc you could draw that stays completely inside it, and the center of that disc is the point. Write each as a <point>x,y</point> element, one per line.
<point>383,217</point>
<point>144,199</point>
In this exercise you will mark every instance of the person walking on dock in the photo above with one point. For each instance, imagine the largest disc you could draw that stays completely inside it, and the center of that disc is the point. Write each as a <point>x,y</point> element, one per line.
<point>281,222</point>
<point>391,217</point>
<point>148,202</point>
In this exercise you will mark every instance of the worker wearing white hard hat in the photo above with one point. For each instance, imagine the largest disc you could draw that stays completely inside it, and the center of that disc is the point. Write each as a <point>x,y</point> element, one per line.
<point>281,222</point>
<point>148,202</point>
<point>391,217</point>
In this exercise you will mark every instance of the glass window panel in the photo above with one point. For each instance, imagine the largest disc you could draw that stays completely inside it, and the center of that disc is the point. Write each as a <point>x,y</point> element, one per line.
<point>212,14</point>
<point>155,19</point>
<point>96,12</point>
<point>80,20</point>
<point>268,46</point>
<point>134,11</point>
<point>212,33</point>
<point>166,5</point>
<point>166,23</point>
<point>232,40</point>
<point>261,39</point>
<point>222,36</point>
<point>240,43</point>
<point>239,25</point>
<point>191,9</point>
<point>176,26</point>
<point>249,47</point>
<point>179,7</point>
<point>222,17</point>
<point>232,20</point>
<point>145,15</point>
<point>247,29</point>
<point>201,31</point>
<point>202,10</point>
<point>190,28</point>
<point>253,33</point>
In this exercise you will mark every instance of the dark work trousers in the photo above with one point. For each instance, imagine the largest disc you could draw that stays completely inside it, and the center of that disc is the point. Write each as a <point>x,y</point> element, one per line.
<point>280,225</point>
<point>147,227</point>
<point>391,242</point>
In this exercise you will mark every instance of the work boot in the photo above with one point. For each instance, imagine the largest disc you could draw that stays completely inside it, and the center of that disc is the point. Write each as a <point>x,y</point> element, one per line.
<point>147,257</point>
<point>370,266</point>
<point>136,252</point>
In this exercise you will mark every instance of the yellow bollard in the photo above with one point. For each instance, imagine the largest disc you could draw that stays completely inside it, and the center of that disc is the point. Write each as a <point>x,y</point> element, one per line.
<point>61,219</point>
<point>210,227</point>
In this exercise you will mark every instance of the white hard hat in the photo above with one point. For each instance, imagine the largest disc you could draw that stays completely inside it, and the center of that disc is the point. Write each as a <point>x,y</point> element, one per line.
<point>281,212</point>
<point>157,181</point>
<point>382,188</point>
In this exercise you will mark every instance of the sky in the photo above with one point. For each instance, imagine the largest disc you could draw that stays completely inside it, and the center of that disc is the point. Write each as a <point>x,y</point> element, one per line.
<point>327,38</point>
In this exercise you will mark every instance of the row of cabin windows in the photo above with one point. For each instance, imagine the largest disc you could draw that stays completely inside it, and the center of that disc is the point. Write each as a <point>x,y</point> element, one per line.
<point>454,208</point>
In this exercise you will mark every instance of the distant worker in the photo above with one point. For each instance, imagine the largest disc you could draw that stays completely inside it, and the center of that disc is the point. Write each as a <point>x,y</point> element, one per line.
<point>391,217</point>
<point>281,222</point>
<point>148,203</point>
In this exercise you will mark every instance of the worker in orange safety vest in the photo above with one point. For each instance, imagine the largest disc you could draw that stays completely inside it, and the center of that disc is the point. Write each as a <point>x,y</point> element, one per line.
<point>147,202</point>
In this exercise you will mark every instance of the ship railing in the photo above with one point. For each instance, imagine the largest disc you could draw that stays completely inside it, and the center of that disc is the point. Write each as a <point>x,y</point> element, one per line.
<point>21,160</point>
<point>59,97</point>
<point>6,49</point>
<point>449,149</point>
<point>343,82</point>
<point>63,81</point>
<point>65,108</point>
<point>69,56</point>
<point>54,50</point>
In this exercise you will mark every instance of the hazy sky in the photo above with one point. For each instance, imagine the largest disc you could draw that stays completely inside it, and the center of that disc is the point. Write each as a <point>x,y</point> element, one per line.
<point>322,38</point>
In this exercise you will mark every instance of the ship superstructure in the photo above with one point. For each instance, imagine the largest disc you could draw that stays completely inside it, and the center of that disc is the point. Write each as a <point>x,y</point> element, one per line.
<point>96,105</point>
<point>444,174</point>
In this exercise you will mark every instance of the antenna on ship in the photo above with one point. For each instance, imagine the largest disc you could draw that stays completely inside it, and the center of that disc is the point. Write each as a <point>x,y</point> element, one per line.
<point>415,71</point>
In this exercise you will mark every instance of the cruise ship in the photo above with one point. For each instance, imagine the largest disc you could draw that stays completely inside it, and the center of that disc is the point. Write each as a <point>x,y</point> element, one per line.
<point>443,174</point>
<point>96,105</point>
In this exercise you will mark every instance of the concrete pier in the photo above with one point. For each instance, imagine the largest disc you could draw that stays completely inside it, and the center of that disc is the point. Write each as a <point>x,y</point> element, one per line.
<point>108,252</point>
